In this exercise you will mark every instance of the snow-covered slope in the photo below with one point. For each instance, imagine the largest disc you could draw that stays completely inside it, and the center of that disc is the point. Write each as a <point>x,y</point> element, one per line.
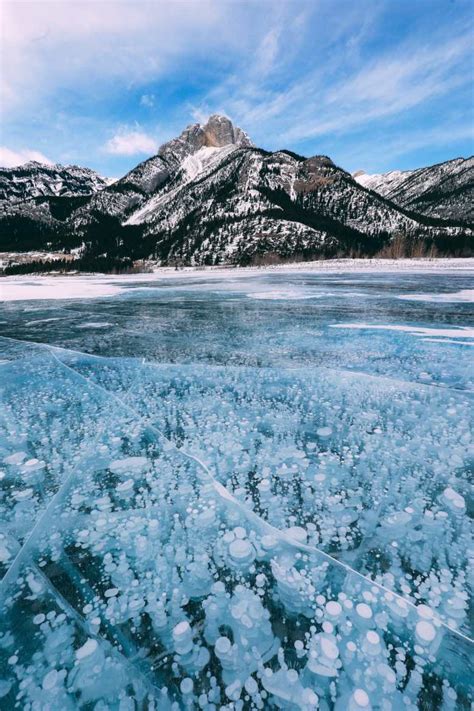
<point>249,202</point>
<point>445,190</point>
<point>36,199</point>
<point>36,180</point>
<point>196,165</point>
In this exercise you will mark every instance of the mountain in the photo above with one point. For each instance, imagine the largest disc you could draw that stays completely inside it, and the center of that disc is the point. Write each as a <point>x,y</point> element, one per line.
<point>210,196</point>
<point>180,156</point>
<point>445,190</point>
<point>34,180</point>
<point>33,197</point>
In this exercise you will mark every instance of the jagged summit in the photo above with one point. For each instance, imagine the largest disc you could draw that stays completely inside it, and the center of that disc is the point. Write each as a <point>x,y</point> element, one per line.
<point>217,132</point>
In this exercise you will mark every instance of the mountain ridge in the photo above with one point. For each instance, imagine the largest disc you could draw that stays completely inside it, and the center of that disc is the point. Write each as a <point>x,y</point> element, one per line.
<point>429,190</point>
<point>210,196</point>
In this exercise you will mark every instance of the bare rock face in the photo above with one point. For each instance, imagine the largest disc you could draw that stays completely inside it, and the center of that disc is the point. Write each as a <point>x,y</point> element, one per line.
<point>219,131</point>
<point>314,173</point>
<point>320,162</point>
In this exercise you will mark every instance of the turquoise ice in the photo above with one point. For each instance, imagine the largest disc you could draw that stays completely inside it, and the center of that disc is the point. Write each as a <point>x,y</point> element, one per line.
<point>233,492</point>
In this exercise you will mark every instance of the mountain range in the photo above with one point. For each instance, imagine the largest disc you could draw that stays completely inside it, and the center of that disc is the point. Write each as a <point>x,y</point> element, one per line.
<point>445,190</point>
<point>210,196</point>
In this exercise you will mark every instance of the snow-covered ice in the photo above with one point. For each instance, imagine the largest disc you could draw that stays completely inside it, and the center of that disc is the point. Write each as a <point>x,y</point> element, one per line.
<point>33,288</point>
<point>463,296</point>
<point>460,332</point>
<point>57,287</point>
<point>224,502</point>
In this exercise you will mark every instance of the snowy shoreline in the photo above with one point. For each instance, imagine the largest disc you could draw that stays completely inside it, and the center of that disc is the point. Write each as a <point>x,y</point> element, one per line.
<point>423,264</point>
<point>89,286</point>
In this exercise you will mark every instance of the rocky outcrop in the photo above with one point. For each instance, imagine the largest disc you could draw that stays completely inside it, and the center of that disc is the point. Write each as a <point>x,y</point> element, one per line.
<point>218,132</point>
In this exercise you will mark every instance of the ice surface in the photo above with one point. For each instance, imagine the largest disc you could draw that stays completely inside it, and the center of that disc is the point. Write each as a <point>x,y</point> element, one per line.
<point>228,504</point>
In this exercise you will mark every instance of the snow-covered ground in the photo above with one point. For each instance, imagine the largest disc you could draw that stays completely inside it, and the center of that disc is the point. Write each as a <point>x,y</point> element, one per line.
<point>85,286</point>
<point>205,159</point>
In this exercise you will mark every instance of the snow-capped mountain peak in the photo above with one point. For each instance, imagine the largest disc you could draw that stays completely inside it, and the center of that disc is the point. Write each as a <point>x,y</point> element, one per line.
<point>217,132</point>
<point>37,180</point>
<point>444,190</point>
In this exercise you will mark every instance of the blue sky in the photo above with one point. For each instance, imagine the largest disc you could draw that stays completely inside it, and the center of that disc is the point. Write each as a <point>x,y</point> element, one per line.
<point>375,84</point>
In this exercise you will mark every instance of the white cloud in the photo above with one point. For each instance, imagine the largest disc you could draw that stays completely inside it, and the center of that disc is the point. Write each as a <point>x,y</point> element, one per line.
<point>49,45</point>
<point>341,96</point>
<point>10,159</point>
<point>267,53</point>
<point>131,143</point>
<point>147,100</point>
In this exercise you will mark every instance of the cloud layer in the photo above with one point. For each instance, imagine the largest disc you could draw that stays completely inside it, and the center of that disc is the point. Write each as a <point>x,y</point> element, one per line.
<point>11,159</point>
<point>131,143</point>
<point>382,82</point>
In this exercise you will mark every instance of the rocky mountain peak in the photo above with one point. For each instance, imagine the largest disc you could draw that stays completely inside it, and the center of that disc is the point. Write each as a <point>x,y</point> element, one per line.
<point>217,132</point>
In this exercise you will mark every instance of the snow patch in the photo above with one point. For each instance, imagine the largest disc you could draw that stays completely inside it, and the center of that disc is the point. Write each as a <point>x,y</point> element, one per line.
<point>459,332</point>
<point>464,296</point>
<point>95,324</point>
<point>38,288</point>
<point>205,157</point>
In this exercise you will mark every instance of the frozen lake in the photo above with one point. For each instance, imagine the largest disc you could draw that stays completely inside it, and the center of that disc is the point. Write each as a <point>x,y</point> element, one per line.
<point>237,490</point>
